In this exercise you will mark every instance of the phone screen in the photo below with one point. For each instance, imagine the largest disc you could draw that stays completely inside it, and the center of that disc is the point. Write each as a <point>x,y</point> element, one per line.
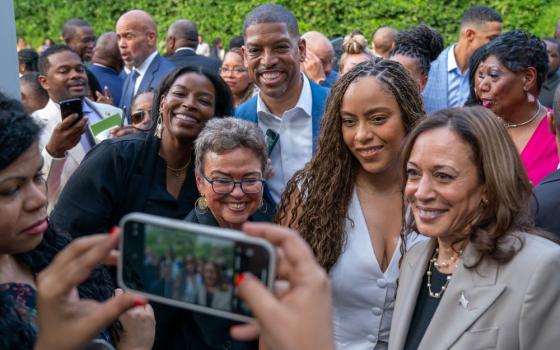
<point>190,269</point>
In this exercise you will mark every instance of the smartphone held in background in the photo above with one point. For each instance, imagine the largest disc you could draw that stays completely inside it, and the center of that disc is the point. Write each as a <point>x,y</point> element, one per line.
<point>191,266</point>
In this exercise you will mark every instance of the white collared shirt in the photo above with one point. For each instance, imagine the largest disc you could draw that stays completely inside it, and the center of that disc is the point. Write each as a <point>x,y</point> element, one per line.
<point>295,145</point>
<point>457,83</point>
<point>143,69</point>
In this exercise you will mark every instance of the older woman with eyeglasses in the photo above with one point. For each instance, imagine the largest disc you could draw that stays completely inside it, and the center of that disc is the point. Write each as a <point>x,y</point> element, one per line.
<point>230,163</point>
<point>235,75</point>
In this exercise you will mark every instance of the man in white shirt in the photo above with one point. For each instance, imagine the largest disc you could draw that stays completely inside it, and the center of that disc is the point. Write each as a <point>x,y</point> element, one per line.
<point>65,142</point>
<point>137,37</point>
<point>289,106</point>
<point>448,80</point>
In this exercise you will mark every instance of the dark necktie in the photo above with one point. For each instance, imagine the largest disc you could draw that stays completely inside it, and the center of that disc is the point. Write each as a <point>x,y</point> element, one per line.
<point>128,93</point>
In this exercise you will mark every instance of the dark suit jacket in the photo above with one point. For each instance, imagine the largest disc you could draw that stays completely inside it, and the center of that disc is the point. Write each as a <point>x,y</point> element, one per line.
<point>546,97</point>
<point>157,70</point>
<point>547,203</point>
<point>111,78</point>
<point>190,58</point>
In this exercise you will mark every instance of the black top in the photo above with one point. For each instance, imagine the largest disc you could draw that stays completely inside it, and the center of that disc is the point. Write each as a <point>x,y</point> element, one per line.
<point>546,204</point>
<point>188,57</point>
<point>117,177</point>
<point>425,308</point>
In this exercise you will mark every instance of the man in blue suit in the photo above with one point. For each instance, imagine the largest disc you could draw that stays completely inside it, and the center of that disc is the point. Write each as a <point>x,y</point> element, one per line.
<point>106,65</point>
<point>137,37</point>
<point>448,80</point>
<point>289,106</point>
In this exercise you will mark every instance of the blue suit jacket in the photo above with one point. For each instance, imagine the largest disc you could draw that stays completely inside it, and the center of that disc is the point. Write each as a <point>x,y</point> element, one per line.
<point>157,70</point>
<point>319,94</point>
<point>248,110</point>
<point>110,78</point>
<point>435,92</point>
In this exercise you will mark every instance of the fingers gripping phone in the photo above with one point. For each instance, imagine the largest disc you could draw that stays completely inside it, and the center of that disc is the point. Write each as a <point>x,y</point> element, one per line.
<point>71,106</point>
<point>191,266</point>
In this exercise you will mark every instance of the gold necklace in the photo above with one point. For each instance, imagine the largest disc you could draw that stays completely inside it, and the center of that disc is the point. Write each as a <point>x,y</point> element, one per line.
<point>177,172</point>
<point>528,121</point>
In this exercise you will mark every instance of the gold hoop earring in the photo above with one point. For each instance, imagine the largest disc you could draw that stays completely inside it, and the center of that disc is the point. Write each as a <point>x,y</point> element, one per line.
<point>201,204</point>
<point>159,126</point>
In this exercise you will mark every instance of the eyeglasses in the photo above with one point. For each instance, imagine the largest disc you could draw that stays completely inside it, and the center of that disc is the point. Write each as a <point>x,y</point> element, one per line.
<point>226,186</point>
<point>236,70</point>
<point>138,117</point>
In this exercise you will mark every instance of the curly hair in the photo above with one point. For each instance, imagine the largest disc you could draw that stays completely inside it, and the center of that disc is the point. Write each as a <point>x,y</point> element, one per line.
<point>18,132</point>
<point>422,43</point>
<point>517,50</point>
<point>324,186</point>
<point>499,168</point>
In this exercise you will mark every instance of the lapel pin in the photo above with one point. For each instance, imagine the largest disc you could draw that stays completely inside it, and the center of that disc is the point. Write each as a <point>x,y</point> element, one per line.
<point>463,301</point>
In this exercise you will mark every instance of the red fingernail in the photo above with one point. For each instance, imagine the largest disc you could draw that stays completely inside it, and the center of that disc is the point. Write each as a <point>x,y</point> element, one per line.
<point>239,279</point>
<point>139,302</point>
<point>114,229</point>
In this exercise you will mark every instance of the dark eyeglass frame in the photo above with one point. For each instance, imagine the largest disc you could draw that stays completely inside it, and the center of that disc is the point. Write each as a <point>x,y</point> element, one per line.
<point>233,183</point>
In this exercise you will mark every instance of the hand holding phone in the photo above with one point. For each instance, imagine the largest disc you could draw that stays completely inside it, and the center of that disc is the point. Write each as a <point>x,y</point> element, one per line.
<point>191,266</point>
<point>71,106</point>
<point>66,135</point>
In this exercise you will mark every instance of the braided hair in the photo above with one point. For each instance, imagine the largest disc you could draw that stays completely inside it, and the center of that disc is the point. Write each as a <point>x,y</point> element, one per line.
<point>422,43</point>
<point>325,197</point>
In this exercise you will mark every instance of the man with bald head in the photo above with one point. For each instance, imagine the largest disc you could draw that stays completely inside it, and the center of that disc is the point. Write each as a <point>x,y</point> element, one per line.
<point>107,65</point>
<point>137,40</point>
<point>318,63</point>
<point>180,44</point>
<point>383,41</point>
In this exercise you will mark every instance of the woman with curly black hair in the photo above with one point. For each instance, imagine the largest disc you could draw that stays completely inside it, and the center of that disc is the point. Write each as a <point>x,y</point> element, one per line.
<point>415,49</point>
<point>506,76</point>
<point>27,245</point>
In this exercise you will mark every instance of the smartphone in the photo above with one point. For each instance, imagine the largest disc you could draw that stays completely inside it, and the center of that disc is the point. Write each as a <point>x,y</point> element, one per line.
<point>271,138</point>
<point>71,106</point>
<point>191,266</point>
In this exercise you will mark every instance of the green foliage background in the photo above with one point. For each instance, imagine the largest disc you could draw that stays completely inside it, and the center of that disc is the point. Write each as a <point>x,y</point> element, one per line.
<point>37,19</point>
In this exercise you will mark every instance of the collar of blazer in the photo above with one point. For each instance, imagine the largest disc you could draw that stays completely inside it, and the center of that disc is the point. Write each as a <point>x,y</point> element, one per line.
<point>478,286</point>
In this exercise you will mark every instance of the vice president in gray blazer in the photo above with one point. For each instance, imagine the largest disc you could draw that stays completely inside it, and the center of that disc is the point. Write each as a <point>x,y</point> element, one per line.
<point>487,279</point>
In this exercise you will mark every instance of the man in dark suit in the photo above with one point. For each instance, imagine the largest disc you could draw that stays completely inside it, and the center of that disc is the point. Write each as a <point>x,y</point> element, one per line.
<point>107,65</point>
<point>137,38</point>
<point>289,106</point>
<point>546,95</point>
<point>546,204</point>
<point>181,42</point>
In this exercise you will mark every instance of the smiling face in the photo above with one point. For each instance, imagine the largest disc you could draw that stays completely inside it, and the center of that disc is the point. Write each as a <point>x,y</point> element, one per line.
<point>23,203</point>
<point>83,42</point>
<point>231,210</point>
<point>498,88</point>
<point>372,126</point>
<point>66,77</point>
<point>443,185</point>
<point>187,106</point>
<point>236,77</point>
<point>273,58</point>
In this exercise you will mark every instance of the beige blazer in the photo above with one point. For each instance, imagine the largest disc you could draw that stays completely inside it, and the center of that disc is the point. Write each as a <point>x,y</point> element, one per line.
<point>58,170</point>
<point>511,306</point>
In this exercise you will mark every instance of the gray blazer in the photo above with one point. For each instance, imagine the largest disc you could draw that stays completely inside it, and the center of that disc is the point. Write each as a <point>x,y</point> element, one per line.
<point>511,306</point>
<point>435,91</point>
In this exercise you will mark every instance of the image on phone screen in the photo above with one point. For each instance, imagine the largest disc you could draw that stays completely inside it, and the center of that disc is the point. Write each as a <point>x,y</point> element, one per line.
<point>190,268</point>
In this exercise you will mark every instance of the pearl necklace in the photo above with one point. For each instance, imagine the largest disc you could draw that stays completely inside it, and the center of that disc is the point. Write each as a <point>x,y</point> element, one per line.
<point>528,121</point>
<point>444,264</point>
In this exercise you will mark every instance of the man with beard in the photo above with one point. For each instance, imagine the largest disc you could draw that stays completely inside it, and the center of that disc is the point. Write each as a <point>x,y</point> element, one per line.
<point>79,35</point>
<point>289,106</point>
<point>64,142</point>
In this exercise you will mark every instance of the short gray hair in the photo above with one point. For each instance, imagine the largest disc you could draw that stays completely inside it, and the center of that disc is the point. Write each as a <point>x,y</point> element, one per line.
<point>225,134</point>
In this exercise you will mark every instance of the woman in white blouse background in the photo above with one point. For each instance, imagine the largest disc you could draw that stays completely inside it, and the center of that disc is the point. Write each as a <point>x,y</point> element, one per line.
<point>347,201</point>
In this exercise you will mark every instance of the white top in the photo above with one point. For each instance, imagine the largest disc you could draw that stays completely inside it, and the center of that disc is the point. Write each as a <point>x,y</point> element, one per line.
<point>363,295</point>
<point>143,69</point>
<point>295,145</point>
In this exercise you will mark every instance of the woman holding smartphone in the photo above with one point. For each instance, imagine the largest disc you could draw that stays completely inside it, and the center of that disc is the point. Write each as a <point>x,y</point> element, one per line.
<point>346,200</point>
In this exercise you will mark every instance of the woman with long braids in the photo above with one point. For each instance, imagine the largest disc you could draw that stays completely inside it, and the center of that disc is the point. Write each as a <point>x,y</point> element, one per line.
<point>351,192</point>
